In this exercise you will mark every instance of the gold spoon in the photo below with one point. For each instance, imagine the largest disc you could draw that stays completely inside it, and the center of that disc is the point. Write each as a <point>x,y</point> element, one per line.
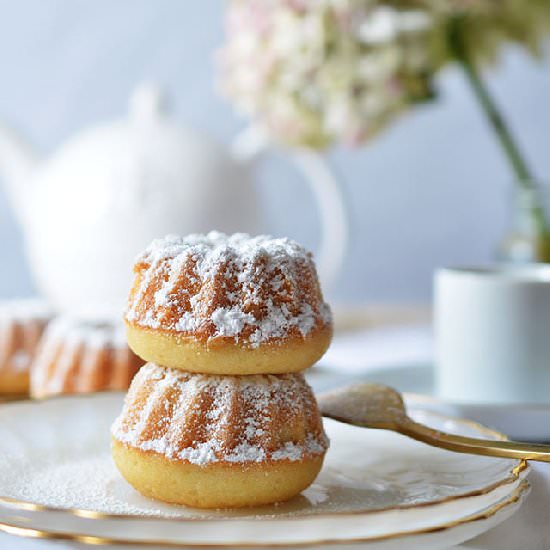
<point>380,407</point>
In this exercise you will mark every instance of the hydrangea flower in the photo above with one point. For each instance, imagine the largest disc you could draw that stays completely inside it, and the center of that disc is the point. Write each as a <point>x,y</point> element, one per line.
<point>313,72</point>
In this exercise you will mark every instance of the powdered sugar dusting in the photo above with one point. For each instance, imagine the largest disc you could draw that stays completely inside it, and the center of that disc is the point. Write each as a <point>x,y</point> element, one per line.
<point>24,309</point>
<point>240,419</point>
<point>21,360</point>
<point>251,289</point>
<point>230,321</point>
<point>95,334</point>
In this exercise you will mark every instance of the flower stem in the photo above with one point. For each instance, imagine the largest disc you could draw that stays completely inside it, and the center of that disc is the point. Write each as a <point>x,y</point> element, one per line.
<point>523,175</point>
<point>494,117</point>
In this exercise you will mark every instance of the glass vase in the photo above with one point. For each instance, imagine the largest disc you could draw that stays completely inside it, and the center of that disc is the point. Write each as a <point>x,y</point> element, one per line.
<point>527,237</point>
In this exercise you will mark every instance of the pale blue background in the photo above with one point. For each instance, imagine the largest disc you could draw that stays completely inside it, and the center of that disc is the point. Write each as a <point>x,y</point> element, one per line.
<point>432,191</point>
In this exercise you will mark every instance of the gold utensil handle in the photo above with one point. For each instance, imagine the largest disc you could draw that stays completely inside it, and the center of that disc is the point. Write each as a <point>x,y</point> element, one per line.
<point>485,447</point>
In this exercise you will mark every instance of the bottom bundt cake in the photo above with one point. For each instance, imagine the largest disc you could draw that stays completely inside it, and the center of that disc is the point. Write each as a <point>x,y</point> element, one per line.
<point>218,441</point>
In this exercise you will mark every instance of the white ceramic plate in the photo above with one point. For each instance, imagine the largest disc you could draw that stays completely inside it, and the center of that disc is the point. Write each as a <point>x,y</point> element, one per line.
<point>57,480</point>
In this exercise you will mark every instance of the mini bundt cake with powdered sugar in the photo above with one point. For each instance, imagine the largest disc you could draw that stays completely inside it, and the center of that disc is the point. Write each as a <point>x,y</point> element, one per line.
<point>224,304</point>
<point>82,355</point>
<point>218,441</point>
<point>22,323</point>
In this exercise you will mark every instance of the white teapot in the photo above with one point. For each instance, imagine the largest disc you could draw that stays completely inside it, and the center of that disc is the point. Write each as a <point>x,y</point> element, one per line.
<point>102,197</point>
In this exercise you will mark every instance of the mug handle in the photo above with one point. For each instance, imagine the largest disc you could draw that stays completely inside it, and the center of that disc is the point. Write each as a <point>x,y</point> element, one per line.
<point>326,189</point>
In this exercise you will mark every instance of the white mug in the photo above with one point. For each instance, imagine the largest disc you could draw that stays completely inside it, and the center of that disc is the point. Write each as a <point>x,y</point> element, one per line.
<point>492,329</point>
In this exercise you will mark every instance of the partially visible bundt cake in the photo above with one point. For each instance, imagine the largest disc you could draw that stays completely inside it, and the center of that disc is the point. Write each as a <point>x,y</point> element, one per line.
<point>218,441</point>
<point>223,304</point>
<point>22,323</point>
<point>78,356</point>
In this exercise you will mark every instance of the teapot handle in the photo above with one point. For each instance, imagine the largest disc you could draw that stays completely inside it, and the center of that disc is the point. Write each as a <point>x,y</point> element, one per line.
<point>333,213</point>
<point>328,194</point>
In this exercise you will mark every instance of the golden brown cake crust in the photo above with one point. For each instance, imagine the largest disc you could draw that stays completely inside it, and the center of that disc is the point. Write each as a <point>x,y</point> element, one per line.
<point>203,419</point>
<point>220,485</point>
<point>222,356</point>
<point>240,290</point>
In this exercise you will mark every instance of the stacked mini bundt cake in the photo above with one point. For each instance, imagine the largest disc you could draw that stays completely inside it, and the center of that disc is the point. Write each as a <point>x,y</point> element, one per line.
<point>221,416</point>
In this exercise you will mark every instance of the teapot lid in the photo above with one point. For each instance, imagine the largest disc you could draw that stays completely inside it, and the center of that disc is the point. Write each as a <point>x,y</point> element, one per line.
<point>148,101</point>
<point>128,153</point>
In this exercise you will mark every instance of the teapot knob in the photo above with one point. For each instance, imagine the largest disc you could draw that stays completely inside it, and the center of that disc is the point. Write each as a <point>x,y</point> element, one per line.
<point>148,101</point>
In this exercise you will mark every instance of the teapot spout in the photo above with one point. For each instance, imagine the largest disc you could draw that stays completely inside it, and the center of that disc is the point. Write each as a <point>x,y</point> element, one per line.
<point>18,160</point>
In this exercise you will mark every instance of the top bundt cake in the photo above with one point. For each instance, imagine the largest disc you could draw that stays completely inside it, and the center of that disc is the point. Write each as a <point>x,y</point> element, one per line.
<point>220,304</point>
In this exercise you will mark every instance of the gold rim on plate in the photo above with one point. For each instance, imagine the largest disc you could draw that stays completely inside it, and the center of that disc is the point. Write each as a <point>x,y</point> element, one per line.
<point>519,467</point>
<point>515,497</point>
